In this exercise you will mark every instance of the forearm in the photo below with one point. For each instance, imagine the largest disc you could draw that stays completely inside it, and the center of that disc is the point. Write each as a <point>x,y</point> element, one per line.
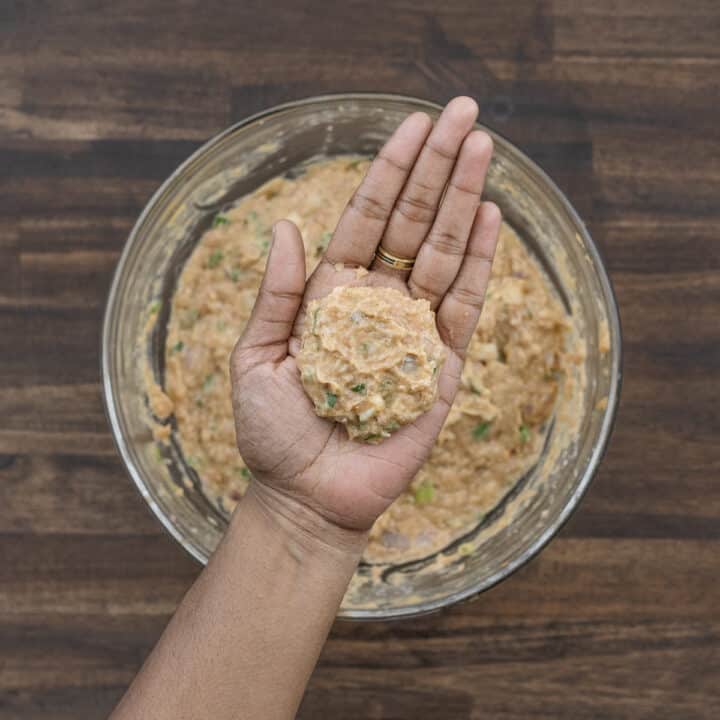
<point>246,637</point>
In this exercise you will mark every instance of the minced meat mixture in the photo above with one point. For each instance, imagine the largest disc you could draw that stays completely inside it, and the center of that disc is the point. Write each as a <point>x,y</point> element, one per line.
<point>496,428</point>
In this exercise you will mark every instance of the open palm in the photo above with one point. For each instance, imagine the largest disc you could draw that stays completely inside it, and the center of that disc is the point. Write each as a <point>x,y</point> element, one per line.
<point>420,199</point>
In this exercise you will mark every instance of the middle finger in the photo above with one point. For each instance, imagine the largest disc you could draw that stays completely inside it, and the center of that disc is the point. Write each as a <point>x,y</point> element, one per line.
<point>415,209</point>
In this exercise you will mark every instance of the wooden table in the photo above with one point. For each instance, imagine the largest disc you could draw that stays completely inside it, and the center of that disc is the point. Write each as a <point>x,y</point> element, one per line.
<point>99,101</point>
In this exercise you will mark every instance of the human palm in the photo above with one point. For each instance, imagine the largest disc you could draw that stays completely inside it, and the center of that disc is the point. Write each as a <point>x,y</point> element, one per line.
<point>420,199</point>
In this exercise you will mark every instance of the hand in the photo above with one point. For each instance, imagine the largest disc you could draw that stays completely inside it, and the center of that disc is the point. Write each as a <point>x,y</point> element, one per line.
<point>420,199</point>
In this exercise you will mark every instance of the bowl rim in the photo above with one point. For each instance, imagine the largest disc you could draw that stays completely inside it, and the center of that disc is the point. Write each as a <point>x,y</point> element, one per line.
<point>614,325</point>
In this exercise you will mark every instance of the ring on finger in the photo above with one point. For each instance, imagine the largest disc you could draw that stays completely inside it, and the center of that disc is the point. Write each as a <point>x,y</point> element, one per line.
<point>393,261</point>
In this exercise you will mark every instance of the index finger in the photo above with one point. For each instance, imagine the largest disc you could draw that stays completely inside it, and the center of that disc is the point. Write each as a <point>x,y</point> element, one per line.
<point>363,222</point>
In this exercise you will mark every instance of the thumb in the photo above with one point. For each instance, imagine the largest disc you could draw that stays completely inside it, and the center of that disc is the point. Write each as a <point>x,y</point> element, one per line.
<point>280,295</point>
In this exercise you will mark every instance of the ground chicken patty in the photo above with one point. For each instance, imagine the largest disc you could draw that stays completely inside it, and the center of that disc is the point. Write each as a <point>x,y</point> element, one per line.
<point>496,428</point>
<point>370,359</point>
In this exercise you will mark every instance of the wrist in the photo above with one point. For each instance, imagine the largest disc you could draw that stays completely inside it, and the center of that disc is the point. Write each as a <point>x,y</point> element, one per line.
<point>306,533</point>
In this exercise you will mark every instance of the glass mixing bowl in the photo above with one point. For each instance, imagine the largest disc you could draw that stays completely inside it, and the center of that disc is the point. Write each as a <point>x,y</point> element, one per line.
<point>274,142</point>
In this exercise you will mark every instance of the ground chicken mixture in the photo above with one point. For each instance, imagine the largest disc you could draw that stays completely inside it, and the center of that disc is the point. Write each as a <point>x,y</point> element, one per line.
<point>496,428</point>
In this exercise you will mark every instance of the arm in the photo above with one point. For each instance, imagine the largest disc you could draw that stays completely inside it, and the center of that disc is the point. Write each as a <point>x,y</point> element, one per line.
<point>247,635</point>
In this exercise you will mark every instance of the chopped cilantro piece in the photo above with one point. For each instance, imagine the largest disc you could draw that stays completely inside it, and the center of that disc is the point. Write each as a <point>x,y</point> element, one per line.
<point>466,549</point>
<point>323,242</point>
<point>208,382</point>
<point>177,347</point>
<point>220,219</point>
<point>524,431</point>
<point>315,318</point>
<point>330,399</point>
<point>245,472</point>
<point>481,430</point>
<point>424,494</point>
<point>234,275</point>
<point>215,259</point>
<point>154,307</point>
<point>359,388</point>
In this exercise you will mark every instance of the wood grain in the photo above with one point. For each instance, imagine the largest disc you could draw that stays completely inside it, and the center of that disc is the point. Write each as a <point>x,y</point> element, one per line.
<point>620,616</point>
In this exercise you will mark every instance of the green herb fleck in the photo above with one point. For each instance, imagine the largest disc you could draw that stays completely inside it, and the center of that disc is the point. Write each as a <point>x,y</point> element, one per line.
<point>424,494</point>
<point>466,549</point>
<point>330,399</point>
<point>392,427</point>
<point>481,430</point>
<point>371,436</point>
<point>359,388</point>
<point>220,219</point>
<point>323,243</point>
<point>158,454</point>
<point>524,431</point>
<point>192,461</point>
<point>245,473</point>
<point>155,307</point>
<point>354,163</point>
<point>215,259</point>
<point>177,347</point>
<point>208,382</point>
<point>234,275</point>
<point>315,318</point>
<point>199,403</point>
<point>365,348</point>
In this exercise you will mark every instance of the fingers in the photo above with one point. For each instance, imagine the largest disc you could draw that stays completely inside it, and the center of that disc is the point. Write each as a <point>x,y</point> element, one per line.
<point>459,311</point>
<point>442,252</point>
<point>363,222</point>
<point>415,209</point>
<point>280,295</point>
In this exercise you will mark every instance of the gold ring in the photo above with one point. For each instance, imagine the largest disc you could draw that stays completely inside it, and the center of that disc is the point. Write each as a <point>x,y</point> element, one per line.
<point>393,261</point>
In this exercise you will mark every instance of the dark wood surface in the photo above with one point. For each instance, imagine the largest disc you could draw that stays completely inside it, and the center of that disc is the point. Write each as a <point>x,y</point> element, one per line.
<point>620,616</point>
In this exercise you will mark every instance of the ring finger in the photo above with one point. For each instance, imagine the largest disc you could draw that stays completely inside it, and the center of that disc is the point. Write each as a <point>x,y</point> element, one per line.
<point>442,253</point>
